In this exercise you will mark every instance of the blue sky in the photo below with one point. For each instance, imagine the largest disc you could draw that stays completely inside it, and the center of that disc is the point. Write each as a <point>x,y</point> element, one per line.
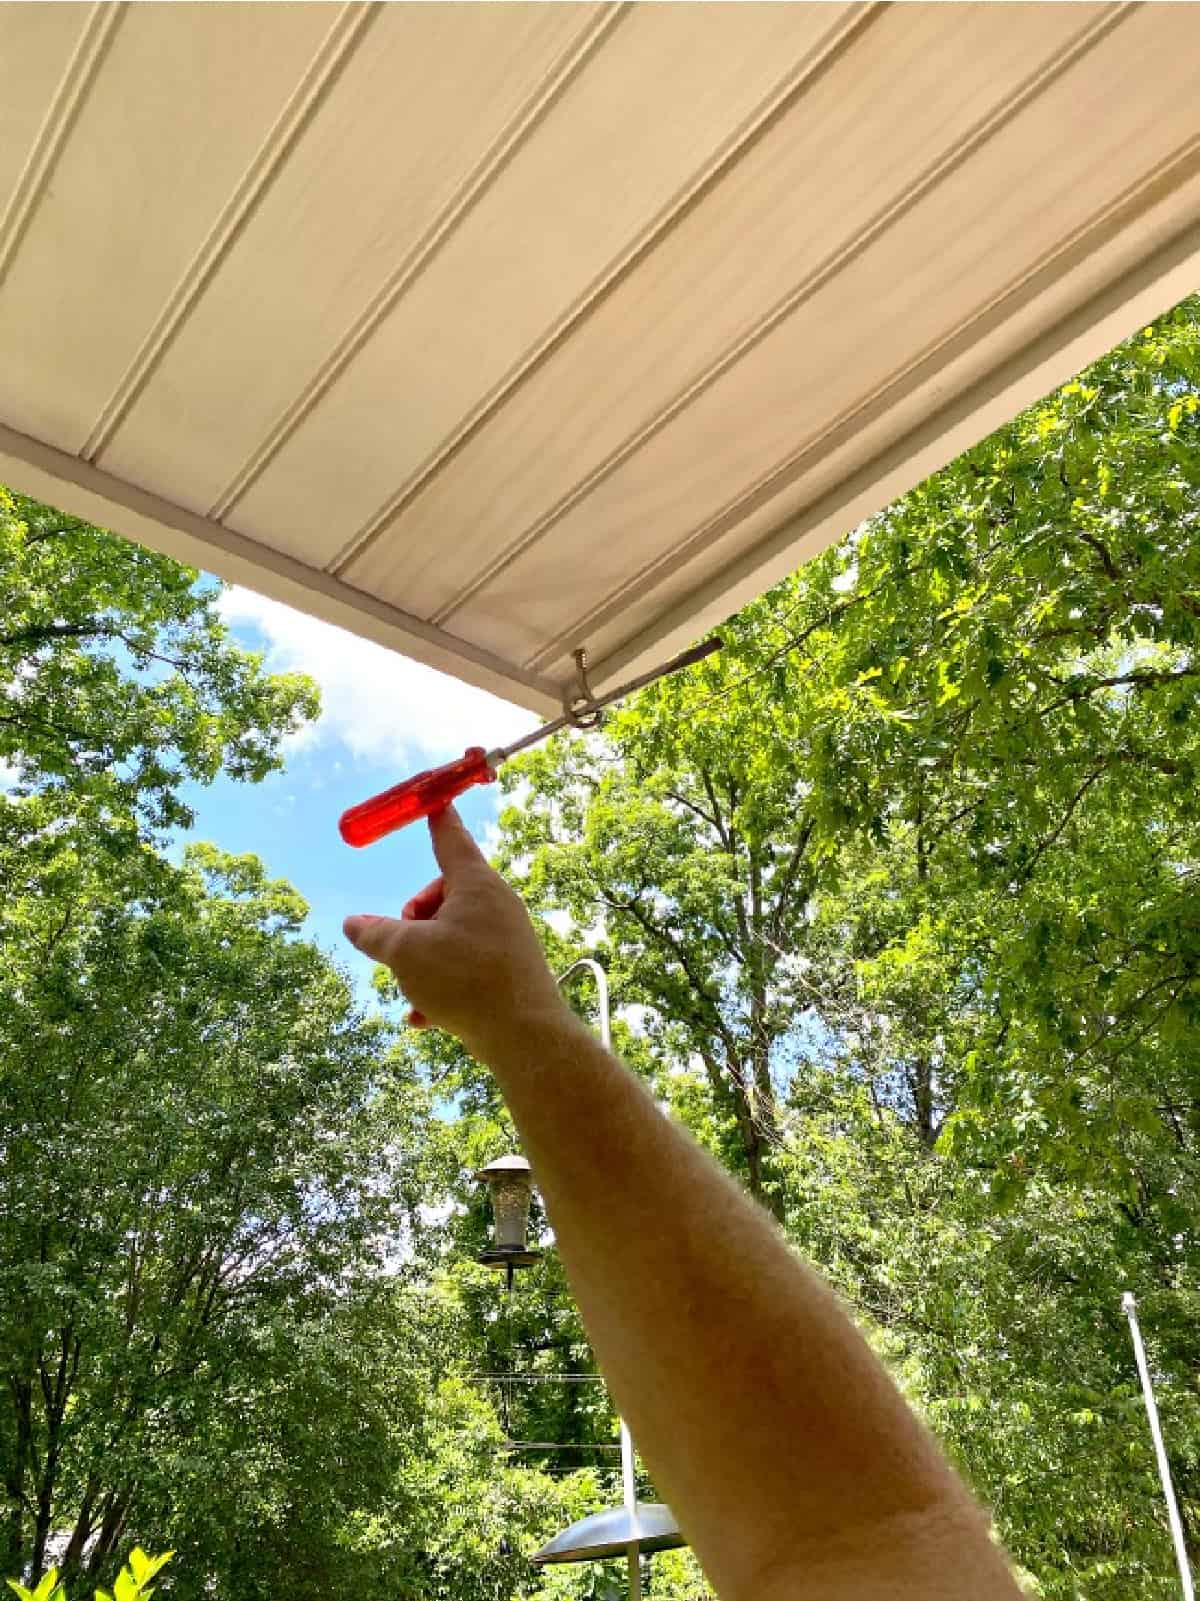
<point>382,718</point>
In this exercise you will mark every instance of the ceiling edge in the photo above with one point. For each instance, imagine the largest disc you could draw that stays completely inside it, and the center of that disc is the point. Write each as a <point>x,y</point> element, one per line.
<point>85,491</point>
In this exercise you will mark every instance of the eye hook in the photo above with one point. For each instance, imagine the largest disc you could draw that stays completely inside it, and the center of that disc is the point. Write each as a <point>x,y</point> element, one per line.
<point>579,703</point>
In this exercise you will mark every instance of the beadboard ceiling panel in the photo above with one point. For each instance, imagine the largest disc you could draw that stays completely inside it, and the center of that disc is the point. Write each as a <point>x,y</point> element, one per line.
<point>491,331</point>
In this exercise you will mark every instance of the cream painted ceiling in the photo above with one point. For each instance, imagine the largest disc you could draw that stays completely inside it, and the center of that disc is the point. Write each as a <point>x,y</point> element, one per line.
<point>494,330</point>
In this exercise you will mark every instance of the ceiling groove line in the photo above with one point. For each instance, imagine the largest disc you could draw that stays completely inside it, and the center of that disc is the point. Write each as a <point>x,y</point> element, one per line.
<point>987,127</point>
<point>799,77</point>
<point>321,74</point>
<point>1146,286</point>
<point>51,138</point>
<point>1084,239</point>
<point>486,171</point>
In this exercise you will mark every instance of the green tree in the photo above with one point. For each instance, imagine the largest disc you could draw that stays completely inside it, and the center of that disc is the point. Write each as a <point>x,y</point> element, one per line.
<point>119,678</point>
<point>197,1151</point>
<point>683,834</point>
<point>1013,681</point>
<point>1005,1328</point>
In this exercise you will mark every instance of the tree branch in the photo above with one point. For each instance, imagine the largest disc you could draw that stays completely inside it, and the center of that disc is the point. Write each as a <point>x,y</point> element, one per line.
<point>1053,838</point>
<point>790,874</point>
<point>1111,570</point>
<point>44,633</point>
<point>1141,678</point>
<point>697,811</point>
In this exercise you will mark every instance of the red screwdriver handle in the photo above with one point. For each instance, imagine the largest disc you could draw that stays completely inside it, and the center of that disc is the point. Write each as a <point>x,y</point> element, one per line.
<point>419,796</point>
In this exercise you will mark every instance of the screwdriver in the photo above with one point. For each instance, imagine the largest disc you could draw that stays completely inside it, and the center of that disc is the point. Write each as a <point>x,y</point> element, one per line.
<point>432,791</point>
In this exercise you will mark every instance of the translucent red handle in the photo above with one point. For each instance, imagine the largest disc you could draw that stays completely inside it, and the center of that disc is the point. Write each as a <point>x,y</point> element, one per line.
<point>419,796</point>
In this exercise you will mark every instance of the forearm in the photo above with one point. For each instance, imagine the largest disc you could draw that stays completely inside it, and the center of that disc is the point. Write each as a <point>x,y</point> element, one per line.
<point>760,1409</point>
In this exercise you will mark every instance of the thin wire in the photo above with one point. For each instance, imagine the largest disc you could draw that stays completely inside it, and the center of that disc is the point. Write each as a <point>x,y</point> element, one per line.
<point>550,1445</point>
<point>534,1378</point>
<point>785,649</point>
<point>555,1470</point>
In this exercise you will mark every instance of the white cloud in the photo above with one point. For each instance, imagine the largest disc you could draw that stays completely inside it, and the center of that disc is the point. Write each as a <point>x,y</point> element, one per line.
<point>8,776</point>
<point>639,1019</point>
<point>381,706</point>
<point>489,840</point>
<point>560,920</point>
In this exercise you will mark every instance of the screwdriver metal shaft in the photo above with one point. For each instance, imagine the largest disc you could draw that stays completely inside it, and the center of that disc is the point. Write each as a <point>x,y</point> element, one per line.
<point>433,790</point>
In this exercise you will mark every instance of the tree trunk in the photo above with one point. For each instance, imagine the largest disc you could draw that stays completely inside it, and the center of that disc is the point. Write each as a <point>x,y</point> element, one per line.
<point>56,1393</point>
<point>16,1474</point>
<point>921,1077</point>
<point>758,1152</point>
<point>729,1092</point>
<point>756,1125</point>
<point>765,1130</point>
<point>41,1527</point>
<point>111,1529</point>
<point>921,1080</point>
<point>81,1533</point>
<point>761,962</point>
<point>13,1531</point>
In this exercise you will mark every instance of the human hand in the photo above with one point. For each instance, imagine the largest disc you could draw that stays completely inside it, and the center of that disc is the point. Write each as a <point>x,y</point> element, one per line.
<point>463,949</point>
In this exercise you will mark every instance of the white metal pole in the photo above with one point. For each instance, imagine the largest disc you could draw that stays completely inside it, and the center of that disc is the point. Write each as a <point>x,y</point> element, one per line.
<point>1129,1307</point>
<point>627,1467</point>
<point>634,1554</point>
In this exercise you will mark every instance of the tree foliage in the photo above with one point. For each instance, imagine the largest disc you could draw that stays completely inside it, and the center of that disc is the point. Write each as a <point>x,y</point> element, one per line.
<point>119,678</point>
<point>199,1158</point>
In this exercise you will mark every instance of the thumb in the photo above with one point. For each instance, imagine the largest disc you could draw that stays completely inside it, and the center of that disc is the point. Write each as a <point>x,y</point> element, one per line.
<point>377,937</point>
<point>453,846</point>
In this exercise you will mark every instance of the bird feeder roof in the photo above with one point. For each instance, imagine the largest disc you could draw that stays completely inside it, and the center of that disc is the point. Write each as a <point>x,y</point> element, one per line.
<point>610,1534</point>
<point>503,1166</point>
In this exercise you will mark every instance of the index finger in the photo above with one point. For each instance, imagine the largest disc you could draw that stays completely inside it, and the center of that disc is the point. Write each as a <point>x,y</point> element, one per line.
<point>452,844</point>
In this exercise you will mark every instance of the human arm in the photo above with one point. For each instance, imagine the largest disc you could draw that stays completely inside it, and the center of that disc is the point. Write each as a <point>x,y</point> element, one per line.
<point>792,1462</point>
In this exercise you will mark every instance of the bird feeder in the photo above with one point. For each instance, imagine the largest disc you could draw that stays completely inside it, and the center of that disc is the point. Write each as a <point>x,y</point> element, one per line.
<point>510,1181</point>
